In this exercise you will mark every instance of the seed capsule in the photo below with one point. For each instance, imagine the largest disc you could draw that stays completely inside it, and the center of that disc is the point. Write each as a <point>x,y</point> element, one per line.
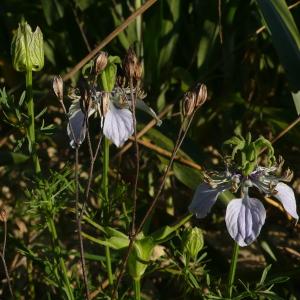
<point>101,62</point>
<point>58,87</point>
<point>201,92</point>
<point>189,103</point>
<point>132,67</point>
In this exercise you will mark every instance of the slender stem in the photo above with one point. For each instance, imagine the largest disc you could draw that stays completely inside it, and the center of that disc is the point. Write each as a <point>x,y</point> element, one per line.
<point>108,265</point>
<point>136,157</point>
<point>31,127</point>
<point>137,288</point>
<point>106,204</point>
<point>78,221</point>
<point>232,270</point>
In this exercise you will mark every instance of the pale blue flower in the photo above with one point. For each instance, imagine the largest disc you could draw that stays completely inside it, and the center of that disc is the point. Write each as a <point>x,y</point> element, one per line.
<point>245,216</point>
<point>113,109</point>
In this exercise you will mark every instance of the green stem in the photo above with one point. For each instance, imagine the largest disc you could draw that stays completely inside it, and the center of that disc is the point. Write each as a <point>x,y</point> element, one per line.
<point>68,288</point>
<point>106,206</point>
<point>232,270</point>
<point>137,288</point>
<point>31,127</point>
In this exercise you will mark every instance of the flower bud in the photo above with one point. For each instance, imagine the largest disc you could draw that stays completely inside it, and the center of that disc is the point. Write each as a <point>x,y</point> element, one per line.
<point>58,87</point>
<point>101,62</point>
<point>131,66</point>
<point>188,104</point>
<point>3,215</point>
<point>201,92</point>
<point>192,241</point>
<point>27,49</point>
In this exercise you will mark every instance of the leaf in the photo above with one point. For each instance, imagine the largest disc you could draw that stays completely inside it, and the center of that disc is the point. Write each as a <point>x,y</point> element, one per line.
<point>116,243</point>
<point>11,158</point>
<point>264,274</point>
<point>161,235</point>
<point>187,175</point>
<point>53,10</point>
<point>296,98</point>
<point>285,37</point>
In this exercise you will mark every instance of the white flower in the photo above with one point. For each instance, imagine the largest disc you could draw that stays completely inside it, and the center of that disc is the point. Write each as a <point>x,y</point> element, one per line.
<point>245,216</point>
<point>113,109</point>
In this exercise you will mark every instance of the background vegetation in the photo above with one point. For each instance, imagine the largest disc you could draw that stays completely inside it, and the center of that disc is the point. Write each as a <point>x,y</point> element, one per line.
<point>181,43</point>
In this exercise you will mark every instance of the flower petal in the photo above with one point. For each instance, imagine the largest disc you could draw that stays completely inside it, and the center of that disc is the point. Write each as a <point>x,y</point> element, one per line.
<point>77,123</point>
<point>140,104</point>
<point>286,196</point>
<point>203,200</point>
<point>118,125</point>
<point>244,219</point>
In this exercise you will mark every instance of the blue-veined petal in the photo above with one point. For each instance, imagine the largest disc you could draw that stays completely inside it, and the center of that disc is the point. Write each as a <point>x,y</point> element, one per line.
<point>244,219</point>
<point>118,125</point>
<point>204,198</point>
<point>140,104</point>
<point>77,122</point>
<point>286,196</point>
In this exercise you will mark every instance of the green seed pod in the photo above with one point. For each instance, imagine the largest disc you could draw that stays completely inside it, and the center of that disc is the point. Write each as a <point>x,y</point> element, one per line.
<point>27,49</point>
<point>192,241</point>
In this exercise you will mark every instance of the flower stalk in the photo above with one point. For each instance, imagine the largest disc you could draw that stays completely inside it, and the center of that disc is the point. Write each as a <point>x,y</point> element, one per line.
<point>31,126</point>
<point>137,288</point>
<point>106,204</point>
<point>232,271</point>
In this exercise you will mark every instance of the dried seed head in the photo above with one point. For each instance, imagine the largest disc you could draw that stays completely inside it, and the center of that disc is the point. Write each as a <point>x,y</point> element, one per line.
<point>58,87</point>
<point>201,92</point>
<point>131,65</point>
<point>189,103</point>
<point>3,215</point>
<point>101,62</point>
<point>105,103</point>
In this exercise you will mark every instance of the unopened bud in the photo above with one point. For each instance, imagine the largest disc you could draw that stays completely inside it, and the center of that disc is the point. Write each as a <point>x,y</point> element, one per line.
<point>27,49</point>
<point>130,64</point>
<point>3,215</point>
<point>189,103</point>
<point>58,87</point>
<point>101,62</point>
<point>201,92</point>
<point>192,241</point>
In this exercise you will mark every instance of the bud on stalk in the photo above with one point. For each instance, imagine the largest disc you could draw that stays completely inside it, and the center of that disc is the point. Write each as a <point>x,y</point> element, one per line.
<point>58,87</point>
<point>201,92</point>
<point>101,62</point>
<point>188,104</point>
<point>192,242</point>
<point>27,49</point>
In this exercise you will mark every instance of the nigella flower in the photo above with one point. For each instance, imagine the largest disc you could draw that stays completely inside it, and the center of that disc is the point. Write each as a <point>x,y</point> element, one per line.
<point>245,216</point>
<point>114,111</point>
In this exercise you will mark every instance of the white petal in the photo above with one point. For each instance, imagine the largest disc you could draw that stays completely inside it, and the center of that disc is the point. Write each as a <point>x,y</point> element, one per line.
<point>286,196</point>
<point>78,126</point>
<point>203,200</point>
<point>118,125</point>
<point>244,219</point>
